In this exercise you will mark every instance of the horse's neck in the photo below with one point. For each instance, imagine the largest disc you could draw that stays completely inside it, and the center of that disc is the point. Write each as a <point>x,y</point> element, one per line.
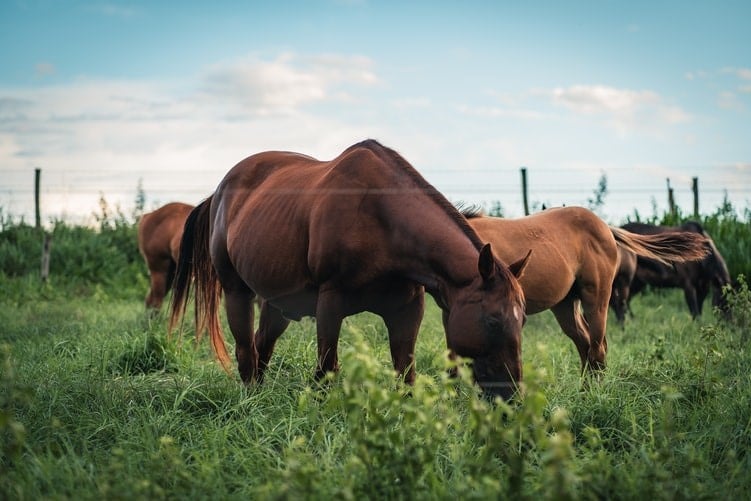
<point>437,252</point>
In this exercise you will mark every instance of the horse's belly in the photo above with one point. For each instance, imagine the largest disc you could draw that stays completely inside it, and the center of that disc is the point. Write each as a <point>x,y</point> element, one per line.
<point>543,292</point>
<point>297,305</point>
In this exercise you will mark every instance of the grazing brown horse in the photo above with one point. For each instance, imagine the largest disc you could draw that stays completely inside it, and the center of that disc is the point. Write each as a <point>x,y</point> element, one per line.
<point>624,275</point>
<point>329,239</point>
<point>696,278</point>
<point>159,234</point>
<point>573,262</point>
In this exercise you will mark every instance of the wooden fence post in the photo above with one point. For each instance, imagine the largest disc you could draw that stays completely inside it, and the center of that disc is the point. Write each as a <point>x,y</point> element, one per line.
<point>695,189</point>
<point>524,191</point>
<point>47,242</point>
<point>671,199</point>
<point>37,179</point>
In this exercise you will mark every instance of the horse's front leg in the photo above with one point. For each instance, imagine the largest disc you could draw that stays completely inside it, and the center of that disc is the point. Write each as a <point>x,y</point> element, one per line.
<point>329,316</point>
<point>402,313</point>
<point>689,292</point>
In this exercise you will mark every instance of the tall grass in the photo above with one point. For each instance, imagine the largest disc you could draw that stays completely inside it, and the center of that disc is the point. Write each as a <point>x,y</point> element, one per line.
<point>98,403</point>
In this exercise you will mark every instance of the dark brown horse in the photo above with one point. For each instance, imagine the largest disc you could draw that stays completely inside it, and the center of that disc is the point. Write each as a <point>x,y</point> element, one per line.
<point>159,234</point>
<point>572,266</point>
<point>624,275</point>
<point>696,278</point>
<point>329,239</point>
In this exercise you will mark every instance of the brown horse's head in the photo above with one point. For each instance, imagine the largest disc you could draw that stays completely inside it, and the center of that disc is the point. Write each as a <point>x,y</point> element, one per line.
<point>485,323</point>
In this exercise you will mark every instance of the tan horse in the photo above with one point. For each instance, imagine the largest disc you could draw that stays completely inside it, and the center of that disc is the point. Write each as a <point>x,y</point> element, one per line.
<point>573,262</point>
<point>159,234</point>
<point>329,239</point>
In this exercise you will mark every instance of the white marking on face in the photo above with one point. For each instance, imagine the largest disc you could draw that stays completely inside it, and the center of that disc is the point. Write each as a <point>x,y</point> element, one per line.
<point>517,316</point>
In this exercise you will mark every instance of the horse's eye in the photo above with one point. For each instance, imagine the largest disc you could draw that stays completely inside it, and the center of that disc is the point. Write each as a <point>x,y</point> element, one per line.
<point>493,324</point>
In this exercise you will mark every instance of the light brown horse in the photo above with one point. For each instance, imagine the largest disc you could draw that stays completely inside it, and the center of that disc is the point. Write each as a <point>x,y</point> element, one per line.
<point>573,262</point>
<point>329,239</point>
<point>159,234</point>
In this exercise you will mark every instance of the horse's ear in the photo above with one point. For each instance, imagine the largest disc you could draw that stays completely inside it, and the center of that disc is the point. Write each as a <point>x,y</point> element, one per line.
<point>486,265</point>
<point>517,267</point>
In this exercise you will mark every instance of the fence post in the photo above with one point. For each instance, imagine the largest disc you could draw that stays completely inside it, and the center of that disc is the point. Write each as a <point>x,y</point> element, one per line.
<point>671,199</point>
<point>37,179</point>
<point>524,191</point>
<point>695,189</point>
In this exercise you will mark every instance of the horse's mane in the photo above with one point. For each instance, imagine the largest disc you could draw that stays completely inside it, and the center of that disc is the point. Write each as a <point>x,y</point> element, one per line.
<point>393,158</point>
<point>470,211</point>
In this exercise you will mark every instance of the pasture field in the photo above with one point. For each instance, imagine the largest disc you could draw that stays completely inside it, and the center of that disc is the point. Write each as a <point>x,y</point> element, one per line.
<point>98,403</point>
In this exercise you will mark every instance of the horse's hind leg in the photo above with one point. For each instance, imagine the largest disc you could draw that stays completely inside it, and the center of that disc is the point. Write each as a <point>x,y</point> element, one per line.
<point>271,325</point>
<point>237,304</point>
<point>158,272</point>
<point>594,302</point>
<point>574,326</point>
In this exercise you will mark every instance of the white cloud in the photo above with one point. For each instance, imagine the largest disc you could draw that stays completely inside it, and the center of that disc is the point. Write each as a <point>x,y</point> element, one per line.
<point>743,73</point>
<point>729,101</point>
<point>624,109</point>
<point>92,136</point>
<point>284,85</point>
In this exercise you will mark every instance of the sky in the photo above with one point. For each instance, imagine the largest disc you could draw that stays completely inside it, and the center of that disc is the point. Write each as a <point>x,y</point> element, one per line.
<point>106,97</point>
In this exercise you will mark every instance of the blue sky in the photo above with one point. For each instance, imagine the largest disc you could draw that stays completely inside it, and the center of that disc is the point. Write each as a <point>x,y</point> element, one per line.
<point>102,95</point>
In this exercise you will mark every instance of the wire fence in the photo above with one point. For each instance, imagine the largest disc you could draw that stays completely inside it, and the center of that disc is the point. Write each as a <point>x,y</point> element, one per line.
<point>75,195</point>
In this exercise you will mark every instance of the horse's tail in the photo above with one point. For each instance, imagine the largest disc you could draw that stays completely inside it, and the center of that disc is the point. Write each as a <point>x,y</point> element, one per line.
<point>194,265</point>
<point>674,246</point>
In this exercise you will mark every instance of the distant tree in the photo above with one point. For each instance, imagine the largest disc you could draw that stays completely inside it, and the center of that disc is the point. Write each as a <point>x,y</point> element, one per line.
<point>140,201</point>
<point>496,209</point>
<point>597,201</point>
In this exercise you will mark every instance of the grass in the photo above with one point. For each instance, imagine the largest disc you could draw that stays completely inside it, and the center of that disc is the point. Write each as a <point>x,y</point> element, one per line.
<point>97,402</point>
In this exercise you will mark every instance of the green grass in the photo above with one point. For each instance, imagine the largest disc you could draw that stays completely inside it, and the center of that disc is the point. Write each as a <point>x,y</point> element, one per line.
<point>97,402</point>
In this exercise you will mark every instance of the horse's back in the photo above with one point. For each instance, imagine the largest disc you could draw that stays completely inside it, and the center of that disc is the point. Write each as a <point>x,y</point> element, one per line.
<point>159,232</point>
<point>568,244</point>
<point>561,231</point>
<point>284,221</point>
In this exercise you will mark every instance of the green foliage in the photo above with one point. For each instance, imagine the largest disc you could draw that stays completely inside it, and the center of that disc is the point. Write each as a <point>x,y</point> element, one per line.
<point>732,236</point>
<point>437,439</point>
<point>739,304</point>
<point>91,260</point>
